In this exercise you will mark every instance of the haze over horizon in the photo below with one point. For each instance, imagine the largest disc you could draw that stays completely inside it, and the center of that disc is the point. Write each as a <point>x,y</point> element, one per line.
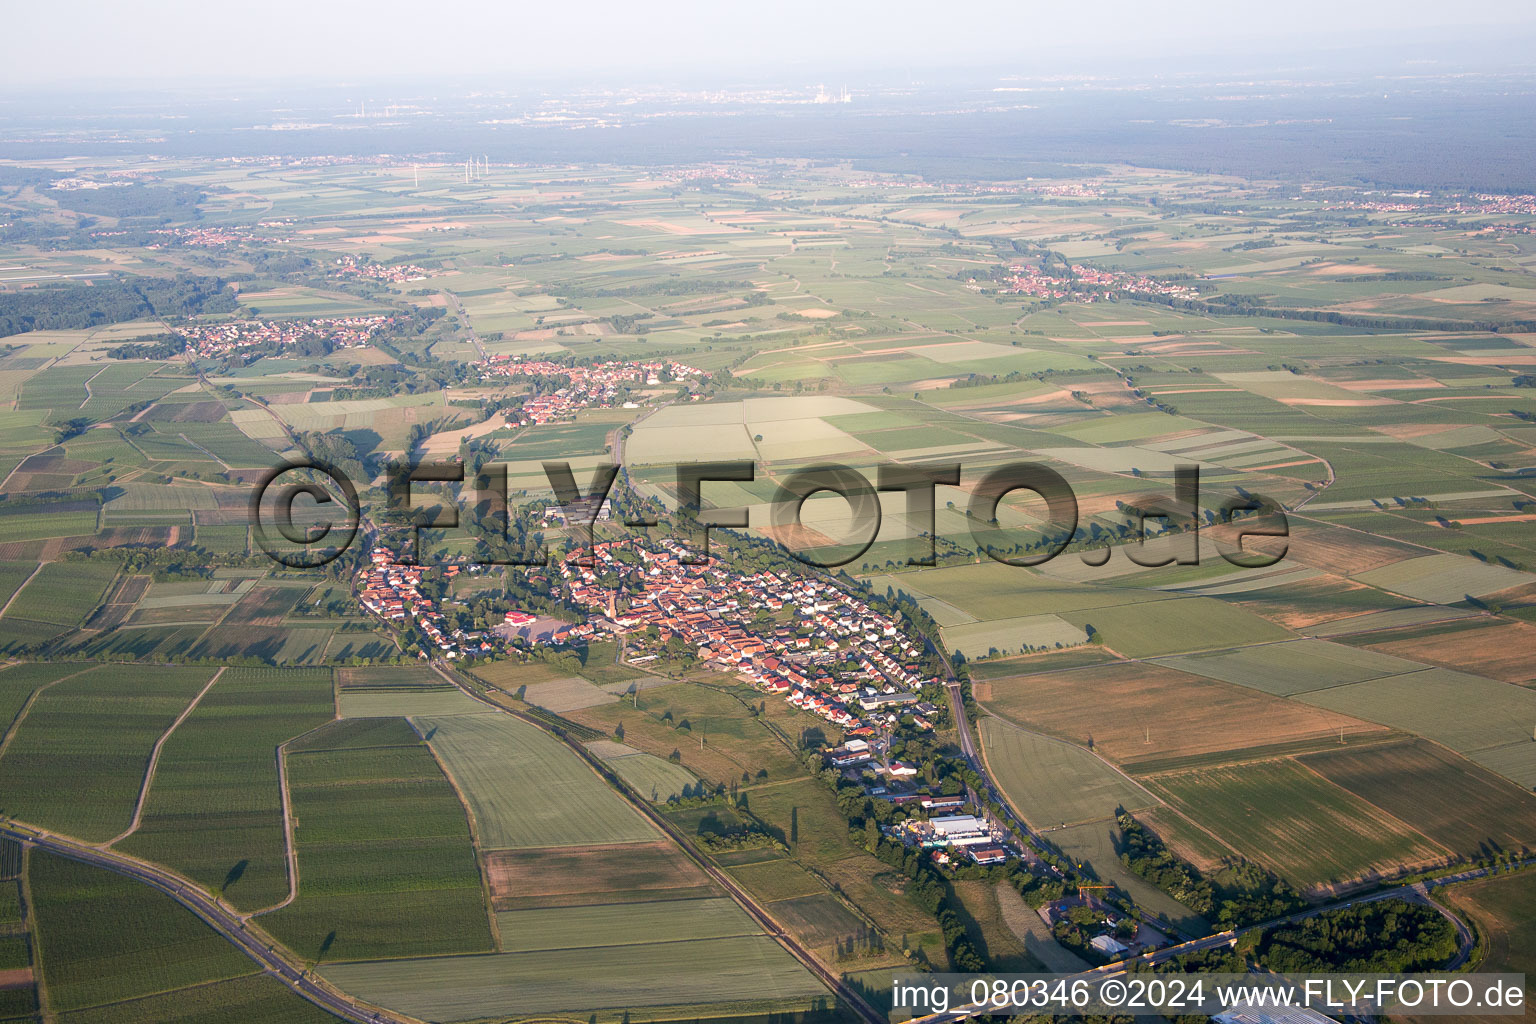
<point>606,41</point>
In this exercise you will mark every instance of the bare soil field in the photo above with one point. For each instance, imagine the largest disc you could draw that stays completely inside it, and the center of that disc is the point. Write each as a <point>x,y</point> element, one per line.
<point>1138,714</point>
<point>16,977</point>
<point>1336,550</point>
<point>575,875</point>
<point>1500,652</point>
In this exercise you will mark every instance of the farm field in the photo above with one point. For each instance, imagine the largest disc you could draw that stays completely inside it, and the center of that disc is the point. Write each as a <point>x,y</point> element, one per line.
<point>401,701</point>
<point>652,777</point>
<point>571,876</point>
<point>104,939</point>
<point>1055,783</point>
<point>1460,806</point>
<point>1309,831</point>
<point>76,761</point>
<point>633,924</point>
<point>751,972</point>
<point>62,593</point>
<point>385,856</point>
<point>1475,716</point>
<point>1285,669</point>
<point>214,810</point>
<point>524,789</point>
<point>1145,717</point>
<point>1497,651</point>
<point>253,997</point>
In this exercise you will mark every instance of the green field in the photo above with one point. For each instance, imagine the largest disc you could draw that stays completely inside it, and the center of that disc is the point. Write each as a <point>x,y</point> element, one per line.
<point>63,593</point>
<point>77,760</point>
<point>402,701</point>
<point>214,810</point>
<point>525,789</point>
<point>1052,782</point>
<point>753,970</point>
<point>19,681</point>
<point>386,863</point>
<point>1293,667</point>
<point>1487,721</point>
<point>652,777</point>
<point>43,525</point>
<point>103,938</point>
<point>1171,627</point>
<point>1303,827</point>
<point>254,998</point>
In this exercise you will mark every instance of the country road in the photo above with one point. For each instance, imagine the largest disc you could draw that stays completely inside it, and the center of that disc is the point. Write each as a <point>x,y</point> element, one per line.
<point>458,309</point>
<point>273,958</point>
<point>1416,892</point>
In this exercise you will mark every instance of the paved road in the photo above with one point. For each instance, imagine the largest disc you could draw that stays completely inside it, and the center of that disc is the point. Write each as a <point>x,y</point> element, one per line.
<point>458,308</point>
<point>1417,892</point>
<point>273,959</point>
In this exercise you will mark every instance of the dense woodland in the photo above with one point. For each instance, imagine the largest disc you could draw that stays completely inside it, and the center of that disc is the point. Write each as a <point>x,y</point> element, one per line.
<point>77,306</point>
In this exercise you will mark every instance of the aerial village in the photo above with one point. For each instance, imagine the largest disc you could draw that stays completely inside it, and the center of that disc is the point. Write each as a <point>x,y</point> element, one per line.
<point>600,385</point>
<point>1082,283</point>
<point>390,273</point>
<point>806,639</point>
<point>211,341</point>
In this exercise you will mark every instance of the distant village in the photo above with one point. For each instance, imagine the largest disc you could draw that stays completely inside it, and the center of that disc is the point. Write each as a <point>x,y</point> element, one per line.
<point>598,386</point>
<point>1082,283</point>
<point>209,341</point>
<point>351,267</point>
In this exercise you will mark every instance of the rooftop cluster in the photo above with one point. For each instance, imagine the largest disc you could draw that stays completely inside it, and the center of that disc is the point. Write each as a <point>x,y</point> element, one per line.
<point>599,386</point>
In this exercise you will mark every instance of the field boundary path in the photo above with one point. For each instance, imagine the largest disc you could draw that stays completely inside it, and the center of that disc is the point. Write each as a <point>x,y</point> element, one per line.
<point>154,761</point>
<point>36,569</point>
<point>5,740</point>
<point>274,959</point>
<point>290,848</point>
<point>765,920</point>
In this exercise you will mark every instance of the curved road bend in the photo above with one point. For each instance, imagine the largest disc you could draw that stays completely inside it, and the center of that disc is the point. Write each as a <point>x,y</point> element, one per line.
<point>221,920</point>
<point>765,920</point>
<point>1416,892</point>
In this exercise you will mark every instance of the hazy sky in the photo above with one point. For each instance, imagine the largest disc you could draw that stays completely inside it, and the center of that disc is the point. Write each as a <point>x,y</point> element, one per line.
<point>335,40</point>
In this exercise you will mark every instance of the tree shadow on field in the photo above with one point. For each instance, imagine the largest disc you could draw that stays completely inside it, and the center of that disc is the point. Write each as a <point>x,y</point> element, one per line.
<point>236,873</point>
<point>326,944</point>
